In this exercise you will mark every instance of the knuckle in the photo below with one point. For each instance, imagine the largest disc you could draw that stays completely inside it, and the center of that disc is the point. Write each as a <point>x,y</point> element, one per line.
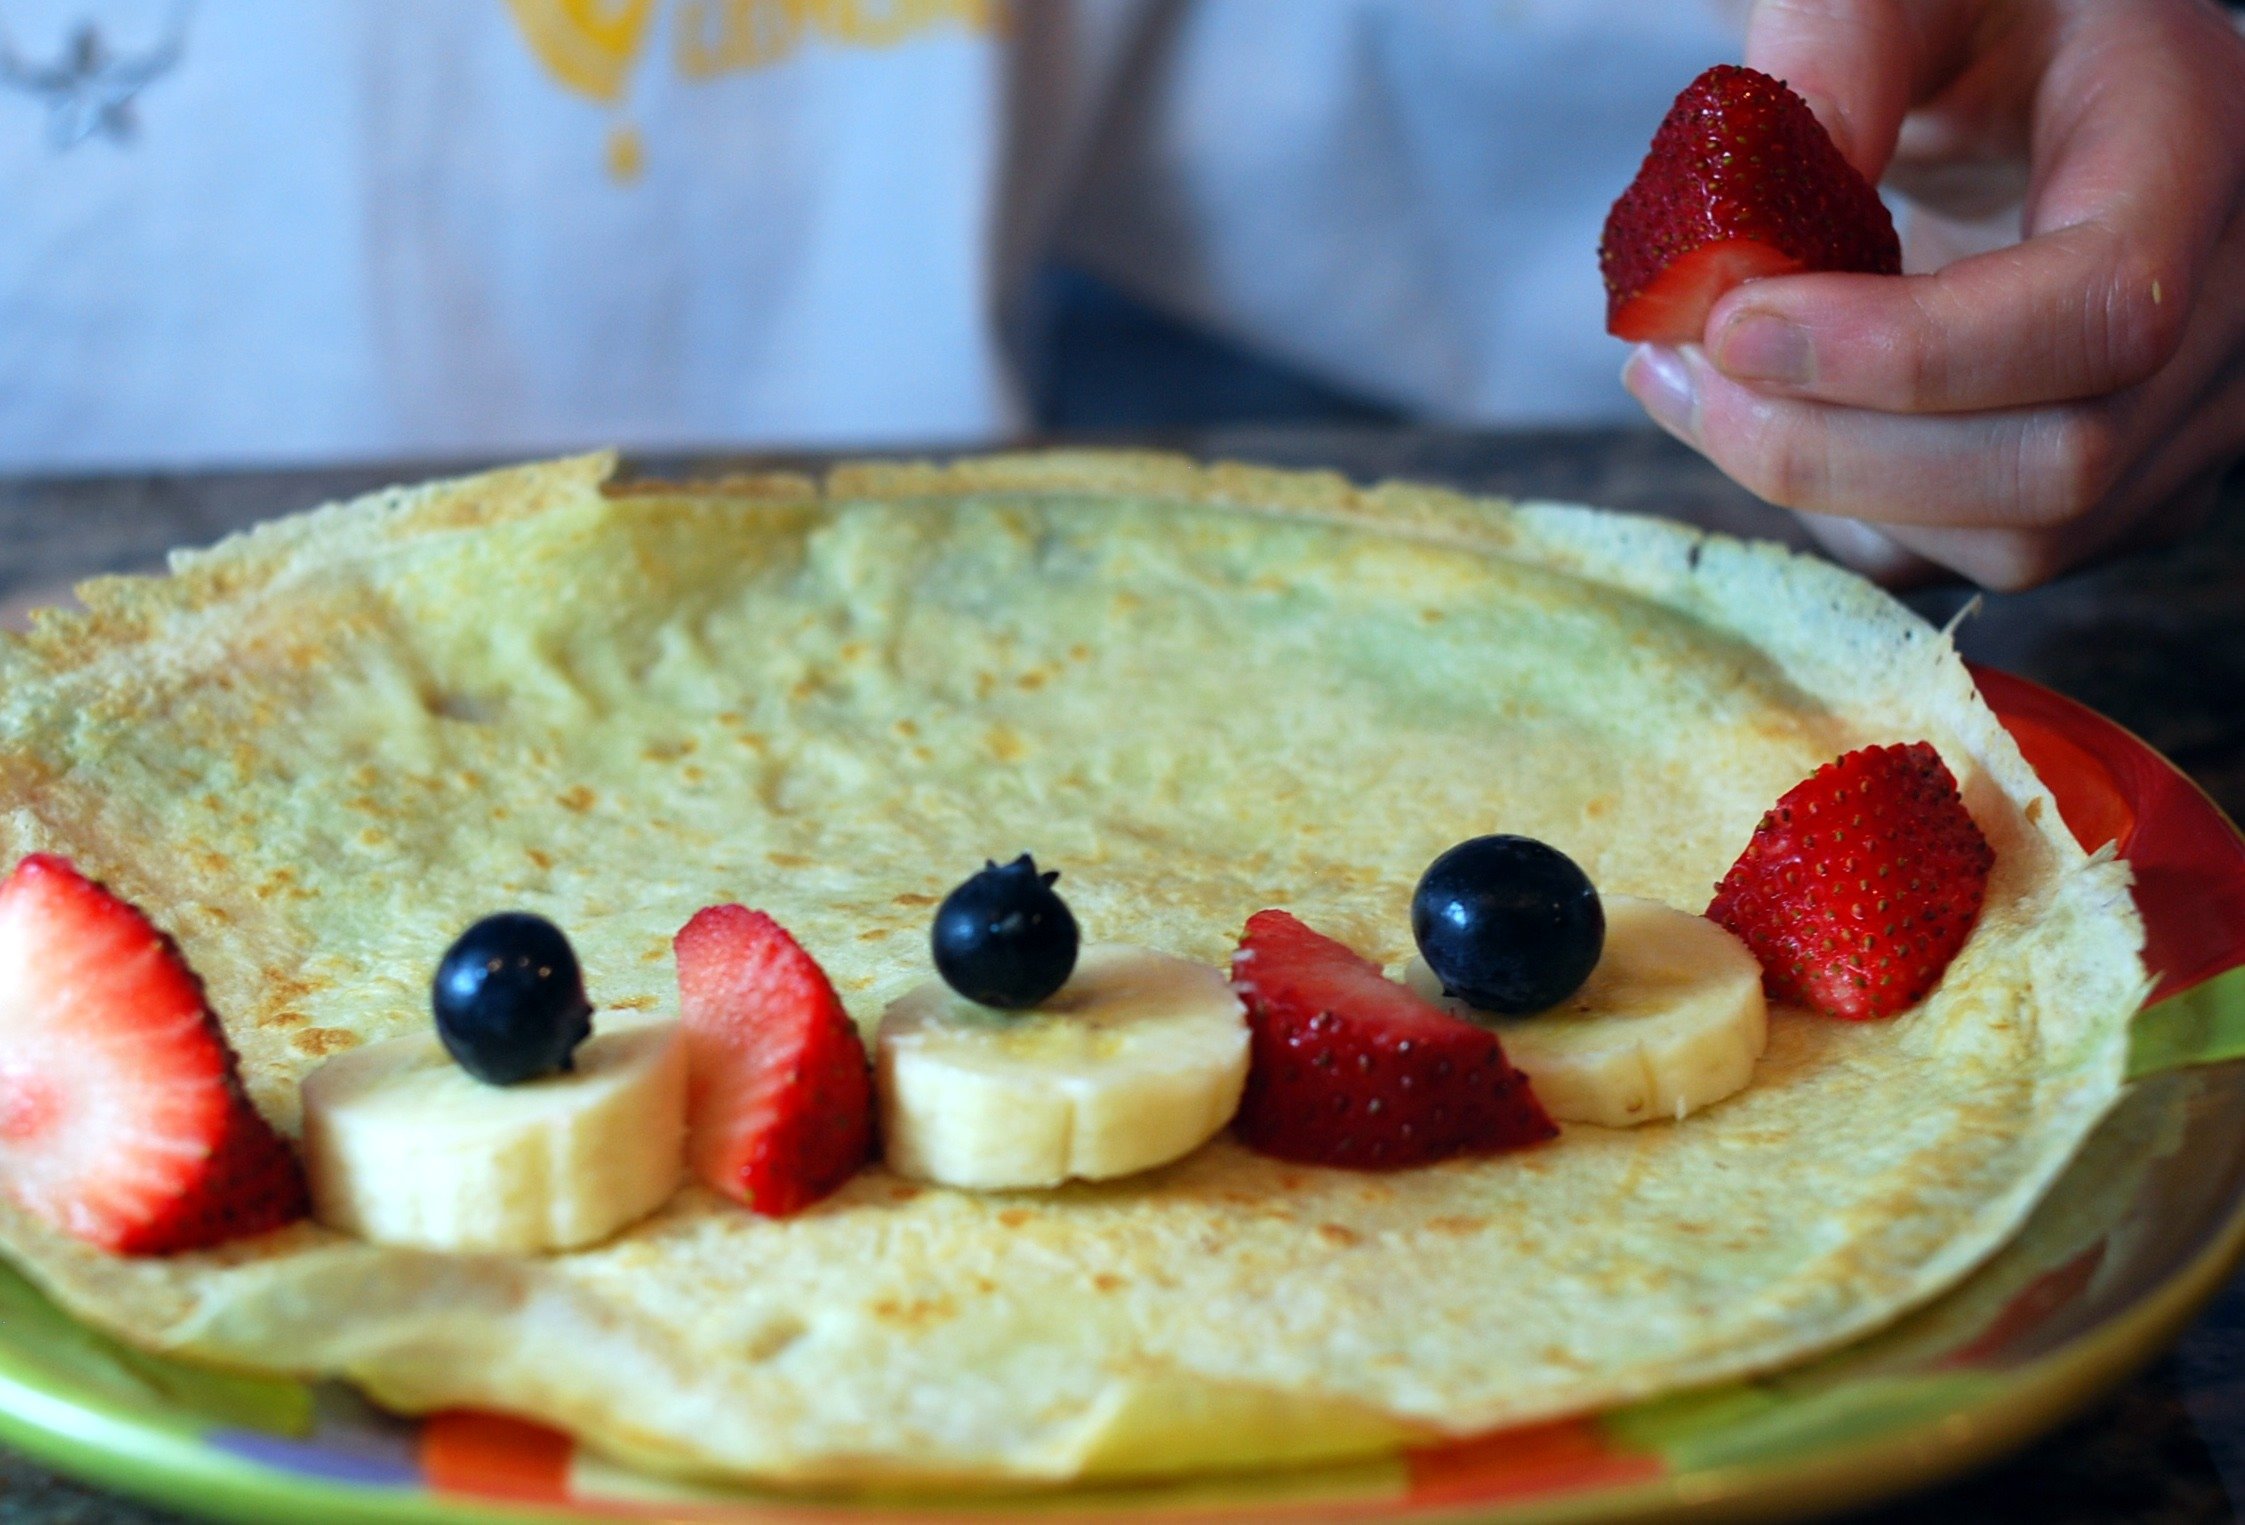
<point>1927,378</point>
<point>1785,12</point>
<point>1779,467</point>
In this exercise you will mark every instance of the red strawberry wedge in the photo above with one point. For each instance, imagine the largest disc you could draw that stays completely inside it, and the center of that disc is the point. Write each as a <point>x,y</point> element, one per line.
<point>122,1116</point>
<point>779,1098</point>
<point>1347,1067</point>
<point>1741,182</point>
<point>1860,885</point>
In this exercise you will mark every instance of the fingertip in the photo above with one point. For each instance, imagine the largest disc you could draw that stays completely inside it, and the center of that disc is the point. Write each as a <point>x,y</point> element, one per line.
<point>1852,61</point>
<point>1817,334</point>
<point>1833,117</point>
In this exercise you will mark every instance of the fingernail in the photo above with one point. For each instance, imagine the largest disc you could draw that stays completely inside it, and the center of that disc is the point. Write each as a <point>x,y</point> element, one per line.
<point>1871,552</point>
<point>1759,346</point>
<point>1829,115</point>
<point>1658,377</point>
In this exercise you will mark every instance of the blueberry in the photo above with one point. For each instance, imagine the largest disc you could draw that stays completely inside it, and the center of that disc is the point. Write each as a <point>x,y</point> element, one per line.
<point>1004,938</point>
<point>1508,924</point>
<point>510,1002</point>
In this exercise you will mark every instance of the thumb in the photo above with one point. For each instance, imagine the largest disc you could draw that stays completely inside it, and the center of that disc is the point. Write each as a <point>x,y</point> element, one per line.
<point>1860,64</point>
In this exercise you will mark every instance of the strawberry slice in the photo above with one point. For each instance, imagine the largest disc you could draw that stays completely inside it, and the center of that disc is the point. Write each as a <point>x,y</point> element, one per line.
<point>122,1116</point>
<point>1860,884</point>
<point>1672,307</point>
<point>779,1098</point>
<point>1741,182</point>
<point>1347,1067</point>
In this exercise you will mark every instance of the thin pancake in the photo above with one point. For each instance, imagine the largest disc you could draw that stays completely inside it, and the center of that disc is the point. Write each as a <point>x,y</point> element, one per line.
<point>317,751</point>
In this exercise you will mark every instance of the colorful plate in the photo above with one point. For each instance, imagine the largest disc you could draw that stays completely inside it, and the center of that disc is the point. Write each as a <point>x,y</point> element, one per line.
<point>2123,1251</point>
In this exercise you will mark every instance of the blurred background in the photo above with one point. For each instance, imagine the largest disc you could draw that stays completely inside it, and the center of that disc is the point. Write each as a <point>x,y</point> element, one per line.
<point>261,231</point>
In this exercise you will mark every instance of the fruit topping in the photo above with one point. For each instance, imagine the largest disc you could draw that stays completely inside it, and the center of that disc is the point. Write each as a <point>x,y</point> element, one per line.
<point>122,1116</point>
<point>1347,1067</point>
<point>1508,924</point>
<point>779,1102</point>
<point>1860,884</point>
<point>1670,1021</point>
<point>510,1002</point>
<point>1137,1061</point>
<point>404,1147</point>
<point>1741,181</point>
<point>1004,938</point>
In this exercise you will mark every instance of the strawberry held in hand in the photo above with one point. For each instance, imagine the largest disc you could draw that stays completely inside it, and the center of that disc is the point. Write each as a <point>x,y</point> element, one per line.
<point>1348,1067</point>
<point>1741,181</point>
<point>1861,884</point>
<point>779,1098</point>
<point>122,1117</point>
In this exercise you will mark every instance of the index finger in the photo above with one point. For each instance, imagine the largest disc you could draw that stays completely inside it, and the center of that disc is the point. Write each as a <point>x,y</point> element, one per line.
<point>1860,64</point>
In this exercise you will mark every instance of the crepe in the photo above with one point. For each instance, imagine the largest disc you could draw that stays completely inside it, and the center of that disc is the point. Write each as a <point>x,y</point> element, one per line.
<point>318,751</point>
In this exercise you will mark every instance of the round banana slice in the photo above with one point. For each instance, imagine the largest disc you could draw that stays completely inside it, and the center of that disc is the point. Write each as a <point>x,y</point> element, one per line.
<point>1670,1021</point>
<point>402,1146</point>
<point>1137,1061</point>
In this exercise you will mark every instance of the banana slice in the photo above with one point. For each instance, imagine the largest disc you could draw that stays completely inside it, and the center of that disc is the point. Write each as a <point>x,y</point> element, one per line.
<point>402,1146</point>
<point>1137,1061</point>
<point>1671,1020</point>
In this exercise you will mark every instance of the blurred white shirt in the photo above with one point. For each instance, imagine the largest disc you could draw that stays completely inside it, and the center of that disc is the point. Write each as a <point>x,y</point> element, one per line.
<point>271,230</point>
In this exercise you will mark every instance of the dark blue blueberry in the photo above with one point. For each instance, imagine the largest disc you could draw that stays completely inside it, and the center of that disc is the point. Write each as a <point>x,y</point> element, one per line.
<point>510,1002</point>
<point>1004,938</point>
<point>1508,924</point>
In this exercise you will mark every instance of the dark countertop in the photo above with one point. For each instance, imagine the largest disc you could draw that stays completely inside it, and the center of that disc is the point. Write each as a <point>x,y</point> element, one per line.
<point>2156,641</point>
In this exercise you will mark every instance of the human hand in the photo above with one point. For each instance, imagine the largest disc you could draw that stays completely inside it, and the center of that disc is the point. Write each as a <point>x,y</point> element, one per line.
<point>2021,408</point>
